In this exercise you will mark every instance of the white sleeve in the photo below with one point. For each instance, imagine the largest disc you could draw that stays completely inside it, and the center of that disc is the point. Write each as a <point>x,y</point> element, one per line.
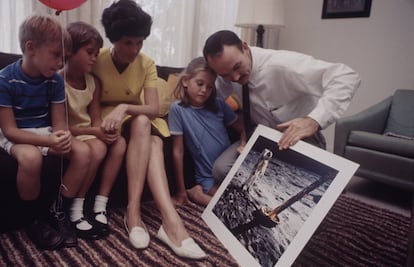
<point>339,84</point>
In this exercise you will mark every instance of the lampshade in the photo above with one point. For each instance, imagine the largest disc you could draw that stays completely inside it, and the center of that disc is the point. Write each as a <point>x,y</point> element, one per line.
<point>252,13</point>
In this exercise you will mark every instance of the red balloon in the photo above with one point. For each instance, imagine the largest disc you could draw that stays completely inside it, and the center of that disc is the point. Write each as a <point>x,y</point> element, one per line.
<point>63,4</point>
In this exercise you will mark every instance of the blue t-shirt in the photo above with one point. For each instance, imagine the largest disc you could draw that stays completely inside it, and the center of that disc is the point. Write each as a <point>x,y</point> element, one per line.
<point>204,133</point>
<point>30,98</point>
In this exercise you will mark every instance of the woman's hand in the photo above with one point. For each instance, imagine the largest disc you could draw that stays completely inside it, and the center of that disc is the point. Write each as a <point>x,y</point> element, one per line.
<point>108,137</point>
<point>113,120</point>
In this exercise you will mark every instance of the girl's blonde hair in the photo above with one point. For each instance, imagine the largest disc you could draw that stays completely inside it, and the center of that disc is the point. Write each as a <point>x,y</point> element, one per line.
<point>41,30</point>
<point>195,66</point>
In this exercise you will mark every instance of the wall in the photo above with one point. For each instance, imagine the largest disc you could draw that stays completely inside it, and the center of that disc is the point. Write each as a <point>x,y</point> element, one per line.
<point>380,48</point>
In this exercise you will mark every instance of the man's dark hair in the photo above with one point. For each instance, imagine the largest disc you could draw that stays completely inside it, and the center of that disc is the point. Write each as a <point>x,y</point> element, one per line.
<point>214,44</point>
<point>125,18</point>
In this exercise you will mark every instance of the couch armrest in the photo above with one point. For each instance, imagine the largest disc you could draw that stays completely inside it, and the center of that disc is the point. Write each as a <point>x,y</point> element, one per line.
<point>164,71</point>
<point>8,58</point>
<point>372,120</point>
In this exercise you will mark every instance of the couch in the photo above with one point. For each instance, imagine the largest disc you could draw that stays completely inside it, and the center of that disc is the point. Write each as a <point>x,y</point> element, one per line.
<point>10,204</point>
<point>381,140</point>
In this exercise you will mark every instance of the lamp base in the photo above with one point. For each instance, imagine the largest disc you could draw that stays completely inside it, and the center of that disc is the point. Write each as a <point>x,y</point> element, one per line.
<point>260,31</point>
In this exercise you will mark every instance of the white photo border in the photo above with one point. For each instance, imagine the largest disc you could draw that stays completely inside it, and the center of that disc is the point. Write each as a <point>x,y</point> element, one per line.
<point>345,168</point>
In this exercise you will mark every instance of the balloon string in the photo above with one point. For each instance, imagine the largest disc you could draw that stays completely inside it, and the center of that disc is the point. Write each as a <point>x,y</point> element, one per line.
<point>64,79</point>
<point>62,185</point>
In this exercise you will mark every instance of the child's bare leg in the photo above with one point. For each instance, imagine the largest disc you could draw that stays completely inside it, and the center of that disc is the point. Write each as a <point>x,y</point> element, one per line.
<point>112,165</point>
<point>74,180</point>
<point>197,195</point>
<point>28,178</point>
<point>30,162</point>
<point>110,170</point>
<point>98,152</point>
<point>79,158</point>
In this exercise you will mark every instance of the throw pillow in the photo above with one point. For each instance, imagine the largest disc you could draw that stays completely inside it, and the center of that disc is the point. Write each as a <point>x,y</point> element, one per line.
<point>165,93</point>
<point>234,102</point>
<point>400,121</point>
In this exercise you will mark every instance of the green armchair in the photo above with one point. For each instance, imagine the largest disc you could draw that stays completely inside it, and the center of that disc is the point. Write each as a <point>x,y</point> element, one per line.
<point>381,140</point>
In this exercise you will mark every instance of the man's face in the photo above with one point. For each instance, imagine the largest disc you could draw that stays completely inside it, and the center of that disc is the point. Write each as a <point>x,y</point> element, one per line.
<point>232,64</point>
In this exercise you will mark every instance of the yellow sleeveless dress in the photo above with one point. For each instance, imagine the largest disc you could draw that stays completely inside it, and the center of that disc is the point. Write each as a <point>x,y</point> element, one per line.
<point>78,102</point>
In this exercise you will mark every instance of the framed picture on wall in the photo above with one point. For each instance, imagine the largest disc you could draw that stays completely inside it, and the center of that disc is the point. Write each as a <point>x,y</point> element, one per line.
<point>333,9</point>
<point>272,200</point>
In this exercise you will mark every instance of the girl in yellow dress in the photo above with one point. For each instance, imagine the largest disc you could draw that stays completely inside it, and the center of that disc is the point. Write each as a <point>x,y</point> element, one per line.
<point>83,93</point>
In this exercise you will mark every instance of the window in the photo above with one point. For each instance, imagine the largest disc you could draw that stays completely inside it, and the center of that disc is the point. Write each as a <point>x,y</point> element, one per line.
<point>178,33</point>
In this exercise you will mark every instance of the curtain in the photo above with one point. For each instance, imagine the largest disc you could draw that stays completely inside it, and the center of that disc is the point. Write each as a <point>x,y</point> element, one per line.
<point>12,13</point>
<point>178,33</point>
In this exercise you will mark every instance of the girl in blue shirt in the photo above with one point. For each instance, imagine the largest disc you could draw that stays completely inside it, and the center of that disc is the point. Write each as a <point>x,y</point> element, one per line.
<point>198,120</point>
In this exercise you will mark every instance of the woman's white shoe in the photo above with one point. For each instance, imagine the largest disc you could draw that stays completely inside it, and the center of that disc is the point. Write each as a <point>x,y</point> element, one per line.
<point>188,249</point>
<point>138,236</point>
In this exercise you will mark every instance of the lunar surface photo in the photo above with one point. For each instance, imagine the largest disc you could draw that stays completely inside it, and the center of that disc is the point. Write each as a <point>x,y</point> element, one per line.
<point>267,198</point>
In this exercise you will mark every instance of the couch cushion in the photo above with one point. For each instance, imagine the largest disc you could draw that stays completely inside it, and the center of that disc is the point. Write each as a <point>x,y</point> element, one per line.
<point>401,118</point>
<point>378,142</point>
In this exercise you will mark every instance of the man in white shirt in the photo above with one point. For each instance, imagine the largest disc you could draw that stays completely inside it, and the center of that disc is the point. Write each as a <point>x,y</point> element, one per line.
<point>292,92</point>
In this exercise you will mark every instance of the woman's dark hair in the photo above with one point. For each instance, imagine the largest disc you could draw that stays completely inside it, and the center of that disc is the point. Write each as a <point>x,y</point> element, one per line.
<point>82,34</point>
<point>125,18</point>
<point>215,43</point>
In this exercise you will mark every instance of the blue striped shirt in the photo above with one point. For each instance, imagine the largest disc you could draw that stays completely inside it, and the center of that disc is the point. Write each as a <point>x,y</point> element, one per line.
<point>30,98</point>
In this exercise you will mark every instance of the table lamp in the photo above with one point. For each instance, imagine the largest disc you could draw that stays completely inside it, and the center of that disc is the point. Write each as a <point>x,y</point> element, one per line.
<point>260,14</point>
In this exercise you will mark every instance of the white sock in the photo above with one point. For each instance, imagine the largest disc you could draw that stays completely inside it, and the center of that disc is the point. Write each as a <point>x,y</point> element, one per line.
<point>76,212</point>
<point>100,205</point>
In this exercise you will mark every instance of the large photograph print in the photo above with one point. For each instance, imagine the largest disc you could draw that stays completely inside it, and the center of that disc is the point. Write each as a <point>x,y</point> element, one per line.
<point>272,201</point>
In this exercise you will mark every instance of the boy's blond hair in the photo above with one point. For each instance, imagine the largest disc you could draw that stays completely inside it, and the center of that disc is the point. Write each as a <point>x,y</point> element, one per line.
<point>41,30</point>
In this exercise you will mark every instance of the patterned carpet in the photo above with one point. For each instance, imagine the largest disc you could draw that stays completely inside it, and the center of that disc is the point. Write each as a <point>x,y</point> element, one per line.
<point>356,234</point>
<point>352,234</point>
<point>115,250</point>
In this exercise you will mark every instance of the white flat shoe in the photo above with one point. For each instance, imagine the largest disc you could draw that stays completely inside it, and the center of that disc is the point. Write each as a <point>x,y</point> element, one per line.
<point>189,248</point>
<point>138,236</point>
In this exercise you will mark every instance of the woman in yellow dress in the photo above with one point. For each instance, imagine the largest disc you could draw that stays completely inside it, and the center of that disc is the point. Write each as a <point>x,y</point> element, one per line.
<point>124,73</point>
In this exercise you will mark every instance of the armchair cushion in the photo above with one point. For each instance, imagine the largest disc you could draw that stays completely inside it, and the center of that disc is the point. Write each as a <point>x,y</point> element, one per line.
<point>378,142</point>
<point>401,117</point>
